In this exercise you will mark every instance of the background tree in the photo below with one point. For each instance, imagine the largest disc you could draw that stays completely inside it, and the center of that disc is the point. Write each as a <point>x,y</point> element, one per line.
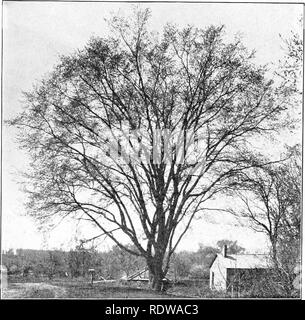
<point>291,67</point>
<point>271,201</point>
<point>182,82</point>
<point>81,260</point>
<point>126,262</point>
<point>181,264</point>
<point>55,263</point>
<point>232,246</point>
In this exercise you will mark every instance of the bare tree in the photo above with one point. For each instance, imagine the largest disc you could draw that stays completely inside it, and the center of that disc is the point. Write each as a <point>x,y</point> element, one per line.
<point>271,198</point>
<point>232,246</point>
<point>177,83</point>
<point>291,67</point>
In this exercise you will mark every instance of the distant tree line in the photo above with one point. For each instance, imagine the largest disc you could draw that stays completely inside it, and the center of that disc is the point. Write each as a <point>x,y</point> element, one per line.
<point>113,264</point>
<point>73,263</point>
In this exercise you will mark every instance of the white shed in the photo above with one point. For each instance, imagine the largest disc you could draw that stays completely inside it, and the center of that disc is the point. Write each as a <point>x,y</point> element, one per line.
<point>225,267</point>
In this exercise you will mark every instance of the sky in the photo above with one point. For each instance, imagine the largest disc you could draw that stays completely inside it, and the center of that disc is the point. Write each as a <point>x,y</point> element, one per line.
<point>35,34</point>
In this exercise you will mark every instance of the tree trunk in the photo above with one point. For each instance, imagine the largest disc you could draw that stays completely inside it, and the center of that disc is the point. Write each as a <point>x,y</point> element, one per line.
<point>156,275</point>
<point>273,241</point>
<point>156,282</point>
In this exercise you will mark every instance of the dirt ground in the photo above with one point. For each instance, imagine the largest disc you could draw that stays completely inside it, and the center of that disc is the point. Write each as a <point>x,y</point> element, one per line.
<point>33,290</point>
<point>83,290</point>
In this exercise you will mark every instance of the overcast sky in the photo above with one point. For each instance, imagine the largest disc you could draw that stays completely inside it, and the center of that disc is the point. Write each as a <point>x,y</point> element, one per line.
<point>35,34</point>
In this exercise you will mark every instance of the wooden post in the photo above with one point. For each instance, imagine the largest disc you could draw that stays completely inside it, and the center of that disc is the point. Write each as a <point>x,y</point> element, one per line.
<point>92,271</point>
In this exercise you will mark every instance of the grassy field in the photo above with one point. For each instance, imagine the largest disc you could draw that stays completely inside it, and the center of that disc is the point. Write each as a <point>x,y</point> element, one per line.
<point>81,289</point>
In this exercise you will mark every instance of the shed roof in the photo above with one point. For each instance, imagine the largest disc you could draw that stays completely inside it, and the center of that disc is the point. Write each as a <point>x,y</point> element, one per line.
<point>245,261</point>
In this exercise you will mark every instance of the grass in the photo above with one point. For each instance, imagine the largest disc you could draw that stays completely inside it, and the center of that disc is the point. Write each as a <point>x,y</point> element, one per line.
<point>82,289</point>
<point>113,290</point>
<point>40,293</point>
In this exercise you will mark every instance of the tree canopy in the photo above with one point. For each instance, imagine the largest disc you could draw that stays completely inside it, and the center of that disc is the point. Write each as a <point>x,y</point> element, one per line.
<point>135,131</point>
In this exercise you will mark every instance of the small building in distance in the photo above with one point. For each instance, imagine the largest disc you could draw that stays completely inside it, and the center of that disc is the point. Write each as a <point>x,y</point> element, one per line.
<point>234,272</point>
